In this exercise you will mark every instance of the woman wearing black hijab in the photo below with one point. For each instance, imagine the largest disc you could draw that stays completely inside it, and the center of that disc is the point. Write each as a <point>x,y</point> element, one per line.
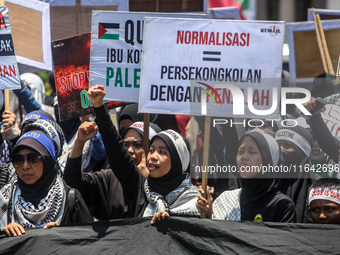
<point>133,139</point>
<point>102,190</point>
<point>37,196</point>
<point>259,199</point>
<point>296,144</point>
<point>129,193</point>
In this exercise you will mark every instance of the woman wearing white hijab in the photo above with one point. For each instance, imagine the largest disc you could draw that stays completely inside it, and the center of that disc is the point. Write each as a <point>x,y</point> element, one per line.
<point>259,199</point>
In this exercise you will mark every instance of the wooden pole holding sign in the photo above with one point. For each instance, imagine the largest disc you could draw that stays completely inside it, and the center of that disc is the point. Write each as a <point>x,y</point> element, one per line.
<point>320,36</point>
<point>157,5</point>
<point>325,47</point>
<point>213,13</point>
<point>205,158</point>
<point>146,133</point>
<point>6,95</point>
<point>79,16</point>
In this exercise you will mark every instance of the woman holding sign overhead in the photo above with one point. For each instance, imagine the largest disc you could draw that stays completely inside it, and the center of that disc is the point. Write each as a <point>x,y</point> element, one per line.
<point>168,187</point>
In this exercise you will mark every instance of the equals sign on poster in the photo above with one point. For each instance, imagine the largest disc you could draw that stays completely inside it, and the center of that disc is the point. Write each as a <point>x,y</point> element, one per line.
<point>211,56</point>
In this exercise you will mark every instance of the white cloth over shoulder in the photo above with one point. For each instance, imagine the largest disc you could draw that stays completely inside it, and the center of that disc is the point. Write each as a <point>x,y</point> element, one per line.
<point>181,201</point>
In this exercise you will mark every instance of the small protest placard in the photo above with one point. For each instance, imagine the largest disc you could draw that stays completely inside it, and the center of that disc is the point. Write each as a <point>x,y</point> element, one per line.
<point>9,73</point>
<point>71,57</point>
<point>116,52</point>
<point>31,30</point>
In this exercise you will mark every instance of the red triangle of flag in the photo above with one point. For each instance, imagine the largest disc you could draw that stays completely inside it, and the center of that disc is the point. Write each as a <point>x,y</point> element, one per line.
<point>102,30</point>
<point>113,103</point>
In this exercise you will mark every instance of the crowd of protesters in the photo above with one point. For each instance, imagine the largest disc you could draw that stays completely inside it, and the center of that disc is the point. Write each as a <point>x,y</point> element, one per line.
<point>87,169</point>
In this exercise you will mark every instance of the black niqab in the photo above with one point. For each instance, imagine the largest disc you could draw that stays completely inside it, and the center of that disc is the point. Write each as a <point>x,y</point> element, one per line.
<point>297,187</point>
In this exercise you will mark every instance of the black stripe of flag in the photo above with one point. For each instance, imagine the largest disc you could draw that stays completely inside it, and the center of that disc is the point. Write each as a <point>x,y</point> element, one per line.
<point>211,53</point>
<point>110,25</point>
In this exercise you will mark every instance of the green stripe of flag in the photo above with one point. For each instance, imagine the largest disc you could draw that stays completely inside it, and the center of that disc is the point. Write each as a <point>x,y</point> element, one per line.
<point>110,36</point>
<point>245,5</point>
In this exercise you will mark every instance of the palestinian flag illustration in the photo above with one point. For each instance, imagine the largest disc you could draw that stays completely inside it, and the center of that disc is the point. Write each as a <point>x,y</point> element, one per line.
<point>107,31</point>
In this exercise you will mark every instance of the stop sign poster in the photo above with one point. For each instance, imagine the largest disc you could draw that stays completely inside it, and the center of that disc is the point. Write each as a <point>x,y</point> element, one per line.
<point>190,60</point>
<point>116,52</point>
<point>71,59</point>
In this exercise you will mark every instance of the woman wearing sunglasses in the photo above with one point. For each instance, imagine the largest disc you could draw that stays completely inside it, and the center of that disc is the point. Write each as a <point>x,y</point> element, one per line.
<point>37,196</point>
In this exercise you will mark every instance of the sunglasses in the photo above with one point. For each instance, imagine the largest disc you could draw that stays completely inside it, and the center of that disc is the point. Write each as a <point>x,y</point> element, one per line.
<point>32,159</point>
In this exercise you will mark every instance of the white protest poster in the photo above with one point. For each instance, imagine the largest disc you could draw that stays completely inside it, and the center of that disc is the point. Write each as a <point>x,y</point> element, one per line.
<point>116,52</point>
<point>186,62</point>
<point>332,119</point>
<point>31,31</point>
<point>9,73</point>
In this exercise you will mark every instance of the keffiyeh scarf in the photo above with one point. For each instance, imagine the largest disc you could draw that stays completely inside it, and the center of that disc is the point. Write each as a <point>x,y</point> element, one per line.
<point>14,208</point>
<point>333,99</point>
<point>181,201</point>
<point>227,206</point>
<point>4,149</point>
<point>4,153</point>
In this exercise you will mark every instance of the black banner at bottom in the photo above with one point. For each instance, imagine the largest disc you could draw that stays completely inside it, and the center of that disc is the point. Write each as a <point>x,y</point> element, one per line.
<point>176,235</point>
